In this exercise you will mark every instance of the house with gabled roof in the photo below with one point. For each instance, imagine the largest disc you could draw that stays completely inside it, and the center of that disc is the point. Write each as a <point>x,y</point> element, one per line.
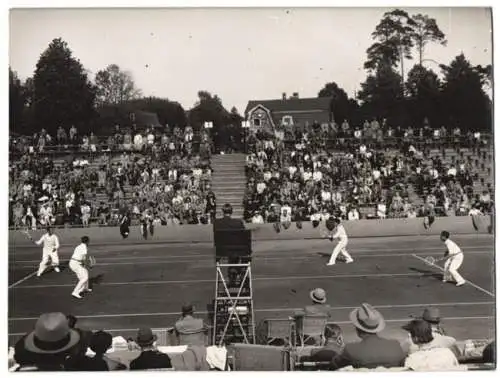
<point>293,112</point>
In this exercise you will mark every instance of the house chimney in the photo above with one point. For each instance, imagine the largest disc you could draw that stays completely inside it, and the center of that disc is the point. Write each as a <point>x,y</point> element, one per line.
<point>295,95</point>
<point>283,96</point>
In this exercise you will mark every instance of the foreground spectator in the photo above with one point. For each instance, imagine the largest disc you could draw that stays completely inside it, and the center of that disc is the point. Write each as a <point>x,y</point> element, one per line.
<point>431,315</point>
<point>372,351</point>
<point>150,357</point>
<point>49,346</point>
<point>318,308</point>
<point>426,355</point>
<point>190,330</point>
<point>334,344</point>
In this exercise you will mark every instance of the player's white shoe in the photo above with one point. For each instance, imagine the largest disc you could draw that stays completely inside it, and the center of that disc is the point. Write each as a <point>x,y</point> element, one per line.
<point>349,261</point>
<point>460,283</point>
<point>57,269</point>
<point>330,263</point>
<point>76,295</point>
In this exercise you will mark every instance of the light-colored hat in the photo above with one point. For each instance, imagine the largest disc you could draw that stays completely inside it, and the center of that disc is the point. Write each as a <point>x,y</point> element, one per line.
<point>51,335</point>
<point>367,319</point>
<point>318,295</point>
<point>431,315</point>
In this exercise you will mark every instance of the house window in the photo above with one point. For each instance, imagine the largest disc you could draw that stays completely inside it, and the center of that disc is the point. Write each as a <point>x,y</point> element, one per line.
<point>256,122</point>
<point>287,120</point>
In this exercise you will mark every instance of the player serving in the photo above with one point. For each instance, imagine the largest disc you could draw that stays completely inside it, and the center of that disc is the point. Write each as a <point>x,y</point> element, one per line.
<point>341,247</point>
<point>455,258</point>
<point>50,249</point>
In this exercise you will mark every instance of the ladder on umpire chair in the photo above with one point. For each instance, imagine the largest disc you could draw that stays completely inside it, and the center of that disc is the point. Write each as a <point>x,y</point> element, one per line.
<point>233,307</point>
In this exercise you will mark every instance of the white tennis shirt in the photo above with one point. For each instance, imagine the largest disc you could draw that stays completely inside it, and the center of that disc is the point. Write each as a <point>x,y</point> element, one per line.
<point>453,248</point>
<point>80,252</point>
<point>49,242</point>
<point>340,233</point>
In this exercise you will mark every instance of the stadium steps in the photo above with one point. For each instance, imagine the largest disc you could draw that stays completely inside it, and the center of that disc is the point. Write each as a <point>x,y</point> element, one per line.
<point>228,181</point>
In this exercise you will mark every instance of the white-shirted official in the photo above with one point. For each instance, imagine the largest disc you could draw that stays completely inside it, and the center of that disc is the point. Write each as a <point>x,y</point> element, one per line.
<point>341,246</point>
<point>454,261</point>
<point>50,243</point>
<point>77,265</point>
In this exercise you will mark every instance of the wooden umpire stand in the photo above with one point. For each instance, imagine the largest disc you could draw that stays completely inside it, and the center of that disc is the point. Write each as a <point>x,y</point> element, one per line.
<point>233,307</point>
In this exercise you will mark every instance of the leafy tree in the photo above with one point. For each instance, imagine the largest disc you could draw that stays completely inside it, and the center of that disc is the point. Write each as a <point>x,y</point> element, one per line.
<point>16,102</point>
<point>63,94</point>
<point>169,112</point>
<point>115,86</point>
<point>208,108</point>
<point>425,30</point>
<point>342,107</point>
<point>381,95</point>
<point>423,90</point>
<point>393,36</point>
<point>466,105</point>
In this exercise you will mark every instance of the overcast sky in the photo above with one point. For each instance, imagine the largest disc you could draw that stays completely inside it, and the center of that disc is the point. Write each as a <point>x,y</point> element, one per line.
<point>239,54</point>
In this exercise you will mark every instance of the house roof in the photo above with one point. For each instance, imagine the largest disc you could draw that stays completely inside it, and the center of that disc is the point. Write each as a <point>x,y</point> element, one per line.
<point>292,104</point>
<point>301,109</point>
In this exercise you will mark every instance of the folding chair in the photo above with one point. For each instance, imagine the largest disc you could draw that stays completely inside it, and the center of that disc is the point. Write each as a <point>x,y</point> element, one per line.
<point>162,335</point>
<point>311,327</point>
<point>280,329</point>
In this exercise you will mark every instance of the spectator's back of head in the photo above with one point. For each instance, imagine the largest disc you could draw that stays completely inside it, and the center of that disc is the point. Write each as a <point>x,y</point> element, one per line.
<point>187,310</point>
<point>100,342</point>
<point>227,209</point>
<point>420,331</point>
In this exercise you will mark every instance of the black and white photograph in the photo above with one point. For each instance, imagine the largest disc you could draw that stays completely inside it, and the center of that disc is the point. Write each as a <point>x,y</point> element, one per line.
<point>251,189</point>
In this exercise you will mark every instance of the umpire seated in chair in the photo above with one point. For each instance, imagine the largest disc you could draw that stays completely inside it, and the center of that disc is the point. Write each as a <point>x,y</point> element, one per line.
<point>190,330</point>
<point>227,223</point>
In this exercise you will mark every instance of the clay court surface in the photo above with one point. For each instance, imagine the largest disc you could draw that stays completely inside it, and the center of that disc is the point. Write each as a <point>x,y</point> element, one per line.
<point>146,284</point>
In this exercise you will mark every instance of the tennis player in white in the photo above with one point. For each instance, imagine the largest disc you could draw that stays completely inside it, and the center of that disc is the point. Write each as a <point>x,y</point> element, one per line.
<point>50,248</point>
<point>341,246</point>
<point>454,261</point>
<point>77,265</point>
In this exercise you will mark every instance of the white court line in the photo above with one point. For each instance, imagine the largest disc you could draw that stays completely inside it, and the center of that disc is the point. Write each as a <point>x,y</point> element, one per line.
<point>362,249</point>
<point>25,278</point>
<point>339,322</point>
<point>368,275</point>
<point>467,281</point>
<point>166,259</point>
<point>285,309</point>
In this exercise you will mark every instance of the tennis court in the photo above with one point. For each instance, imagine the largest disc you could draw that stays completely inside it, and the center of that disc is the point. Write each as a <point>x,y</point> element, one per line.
<point>146,284</point>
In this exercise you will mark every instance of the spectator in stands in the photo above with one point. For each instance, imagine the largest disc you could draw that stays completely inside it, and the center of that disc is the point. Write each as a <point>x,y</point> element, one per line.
<point>190,330</point>
<point>334,344</point>
<point>48,346</point>
<point>150,357</point>
<point>100,343</point>
<point>425,355</point>
<point>372,351</point>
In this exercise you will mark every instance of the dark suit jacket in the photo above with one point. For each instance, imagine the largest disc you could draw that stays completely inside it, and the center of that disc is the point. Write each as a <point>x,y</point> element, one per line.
<point>371,352</point>
<point>228,223</point>
<point>151,359</point>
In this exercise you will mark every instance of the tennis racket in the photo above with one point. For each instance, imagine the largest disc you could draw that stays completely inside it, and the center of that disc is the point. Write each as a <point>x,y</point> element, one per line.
<point>429,260</point>
<point>90,262</point>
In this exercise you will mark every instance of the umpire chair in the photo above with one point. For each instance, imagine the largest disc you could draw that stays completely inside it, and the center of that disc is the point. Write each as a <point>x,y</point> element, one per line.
<point>233,305</point>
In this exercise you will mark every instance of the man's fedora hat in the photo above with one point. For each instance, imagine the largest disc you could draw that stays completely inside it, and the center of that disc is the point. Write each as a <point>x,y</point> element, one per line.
<point>51,335</point>
<point>145,337</point>
<point>367,319</point>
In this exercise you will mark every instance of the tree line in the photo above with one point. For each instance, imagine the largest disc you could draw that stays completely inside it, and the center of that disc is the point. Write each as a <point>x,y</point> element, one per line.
<point>458,99</point>
<point>60,92</point>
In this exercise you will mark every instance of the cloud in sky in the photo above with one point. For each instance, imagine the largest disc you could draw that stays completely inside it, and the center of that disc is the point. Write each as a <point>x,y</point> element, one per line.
<point>239,54</point>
